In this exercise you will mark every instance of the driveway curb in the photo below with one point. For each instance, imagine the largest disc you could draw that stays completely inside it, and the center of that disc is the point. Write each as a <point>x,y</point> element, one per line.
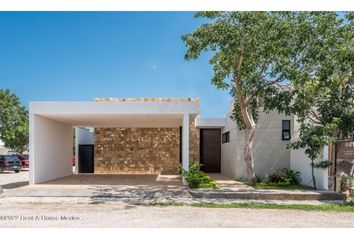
<point>270,195</point>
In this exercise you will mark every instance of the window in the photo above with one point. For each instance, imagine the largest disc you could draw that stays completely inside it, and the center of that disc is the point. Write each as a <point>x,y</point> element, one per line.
<point>225,137</point>
<point>286,130</point>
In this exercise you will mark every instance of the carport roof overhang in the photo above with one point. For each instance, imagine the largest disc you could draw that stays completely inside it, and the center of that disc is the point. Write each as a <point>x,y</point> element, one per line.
<point>116,114</point>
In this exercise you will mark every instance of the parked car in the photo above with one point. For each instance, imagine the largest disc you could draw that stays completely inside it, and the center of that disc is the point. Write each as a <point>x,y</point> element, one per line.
<point>10,163</point>
<point>24,159</point>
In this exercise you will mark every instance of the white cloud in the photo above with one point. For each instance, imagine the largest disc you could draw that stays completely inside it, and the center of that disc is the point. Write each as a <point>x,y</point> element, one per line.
<point>152,64</point>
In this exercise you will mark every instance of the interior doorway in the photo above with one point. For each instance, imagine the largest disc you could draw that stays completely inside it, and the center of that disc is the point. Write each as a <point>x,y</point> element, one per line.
<point>86,158</point>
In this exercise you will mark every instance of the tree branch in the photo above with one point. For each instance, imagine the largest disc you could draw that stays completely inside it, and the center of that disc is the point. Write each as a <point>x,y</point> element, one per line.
<point>318,120</point>
<point>237,80</point>
<point>279,79</point>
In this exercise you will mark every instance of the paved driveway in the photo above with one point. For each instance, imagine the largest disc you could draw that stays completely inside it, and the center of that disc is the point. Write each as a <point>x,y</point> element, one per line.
<point>132,189</point>
<point>12,180</point>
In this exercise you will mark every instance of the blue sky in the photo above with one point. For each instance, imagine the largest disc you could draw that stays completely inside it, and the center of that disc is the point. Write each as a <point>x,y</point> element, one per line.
<point>77,56</point>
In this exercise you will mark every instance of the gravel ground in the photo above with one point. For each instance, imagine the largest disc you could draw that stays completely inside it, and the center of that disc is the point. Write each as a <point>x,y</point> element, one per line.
<point>124,215</point>
<point>11,180</point>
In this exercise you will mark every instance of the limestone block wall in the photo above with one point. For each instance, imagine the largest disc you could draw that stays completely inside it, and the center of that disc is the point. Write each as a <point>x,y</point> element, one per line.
<point>194,143</point>
<point>137,150</point>
<point>141,150</point>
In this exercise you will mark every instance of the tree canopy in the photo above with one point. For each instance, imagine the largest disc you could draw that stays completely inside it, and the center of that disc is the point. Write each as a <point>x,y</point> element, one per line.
<point>13,122</point>
<point>332,114</point>
<point>271,61</point>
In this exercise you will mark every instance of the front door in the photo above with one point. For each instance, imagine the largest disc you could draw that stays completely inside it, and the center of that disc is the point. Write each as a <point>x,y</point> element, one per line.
<point>86,164</point>
<point>210,150</point>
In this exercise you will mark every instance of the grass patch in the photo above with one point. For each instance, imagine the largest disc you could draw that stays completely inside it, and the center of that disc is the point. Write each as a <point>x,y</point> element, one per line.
<point>263,185</point>
<point>336,207</point>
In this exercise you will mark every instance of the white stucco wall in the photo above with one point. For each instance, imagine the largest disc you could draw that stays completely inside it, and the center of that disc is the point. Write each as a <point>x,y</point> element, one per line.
<point>82,136</point>
<point>269,150</point>
<point>300,162</point>
<point>51,147</point>
<point>201,122</point>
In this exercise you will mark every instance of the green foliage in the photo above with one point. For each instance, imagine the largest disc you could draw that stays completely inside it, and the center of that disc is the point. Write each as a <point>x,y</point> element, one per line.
<point>270,185</point>
<point>286,176</point>
<point>262,53</point>
<point>275,177</point>
<point>291,177</point>
<point>322,164</point>
<point>197,178</point>
<point>284,61</point>
<point>330,93</point>
<point>335,207</point>
<point>13,122</point>
<point>312,139</point>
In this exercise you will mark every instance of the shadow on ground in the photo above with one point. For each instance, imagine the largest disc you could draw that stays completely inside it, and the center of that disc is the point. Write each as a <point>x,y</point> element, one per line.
<point>15,185</point>
<point>143,194</point>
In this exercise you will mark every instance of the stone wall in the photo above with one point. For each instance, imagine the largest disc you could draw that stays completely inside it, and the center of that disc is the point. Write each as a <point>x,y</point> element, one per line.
<point>137,150</point>
<point>142,150</point>
<point>194,142</point>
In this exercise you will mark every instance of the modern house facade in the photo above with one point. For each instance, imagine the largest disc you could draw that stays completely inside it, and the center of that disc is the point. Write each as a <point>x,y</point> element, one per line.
<point>150,136</point>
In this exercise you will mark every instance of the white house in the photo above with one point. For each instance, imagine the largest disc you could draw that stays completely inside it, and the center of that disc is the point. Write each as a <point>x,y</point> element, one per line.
<point>152,136</point>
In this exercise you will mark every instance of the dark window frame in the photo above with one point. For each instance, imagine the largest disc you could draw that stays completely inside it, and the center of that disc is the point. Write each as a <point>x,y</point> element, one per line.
<point>225,137</point>
<point>286,130</point>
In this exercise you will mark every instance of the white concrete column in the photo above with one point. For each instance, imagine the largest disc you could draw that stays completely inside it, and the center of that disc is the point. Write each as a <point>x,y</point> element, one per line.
<point>31,149</point>
<point>185,144</point>
<point>76,150</point>
<point>325,171</point>
<point>51,146</point>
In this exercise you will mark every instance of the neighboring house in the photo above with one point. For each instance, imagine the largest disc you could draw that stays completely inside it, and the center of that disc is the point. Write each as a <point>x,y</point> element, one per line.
<point>149,136</point>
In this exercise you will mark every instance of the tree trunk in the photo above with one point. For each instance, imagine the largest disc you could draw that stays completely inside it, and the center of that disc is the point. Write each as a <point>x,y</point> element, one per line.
<point>313,174</point>
<point>248,157</point>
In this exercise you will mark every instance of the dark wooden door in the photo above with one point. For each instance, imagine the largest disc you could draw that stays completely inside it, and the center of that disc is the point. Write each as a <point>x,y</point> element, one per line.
<point>210,150</point>
<point>86,162</point>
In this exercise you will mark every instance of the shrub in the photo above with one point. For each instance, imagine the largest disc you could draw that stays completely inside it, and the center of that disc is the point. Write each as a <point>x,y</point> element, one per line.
<point>291,177</point>
<point>197,178</point>
<point>275,177</point>
<point>286,176</point>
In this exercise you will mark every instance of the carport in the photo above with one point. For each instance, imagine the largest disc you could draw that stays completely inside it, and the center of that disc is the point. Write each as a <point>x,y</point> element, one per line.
<point>51,128</point>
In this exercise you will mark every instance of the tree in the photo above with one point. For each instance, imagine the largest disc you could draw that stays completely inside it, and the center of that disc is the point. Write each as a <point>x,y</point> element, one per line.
<point>13,122</point>
<point>331,115</point>
<point>265,59</point>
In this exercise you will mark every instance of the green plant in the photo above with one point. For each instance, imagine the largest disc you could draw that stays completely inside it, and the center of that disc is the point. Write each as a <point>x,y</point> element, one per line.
<point>275,177</point>
<point>286,176</point>
<point>291,177</point>
<point>322,165</point>
<point>344,184</point>
<point>197,178</point>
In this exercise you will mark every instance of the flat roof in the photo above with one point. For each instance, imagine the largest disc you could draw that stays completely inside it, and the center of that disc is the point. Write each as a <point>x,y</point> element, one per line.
<point>116,114</point>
